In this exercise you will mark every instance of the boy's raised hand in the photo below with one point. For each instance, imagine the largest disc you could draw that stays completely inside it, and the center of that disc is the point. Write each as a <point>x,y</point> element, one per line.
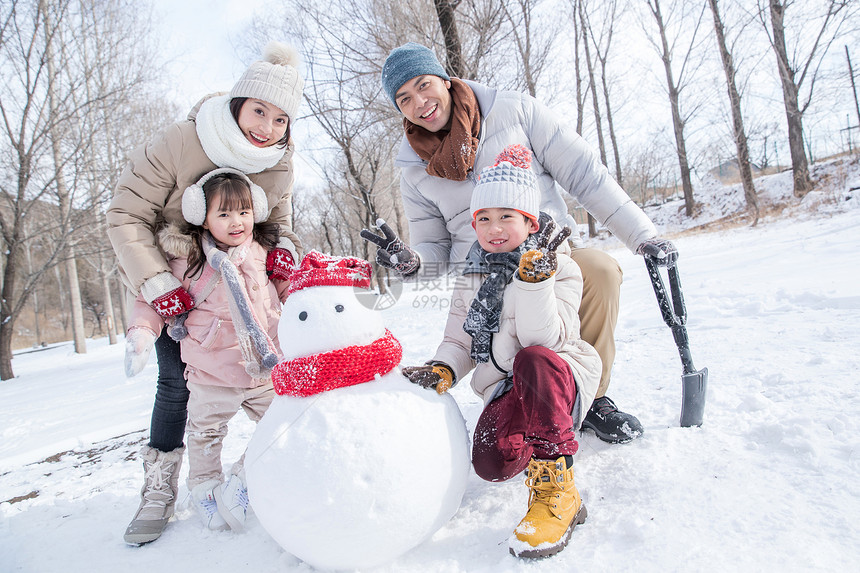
<point>539,264</point>
<point>438,376</point>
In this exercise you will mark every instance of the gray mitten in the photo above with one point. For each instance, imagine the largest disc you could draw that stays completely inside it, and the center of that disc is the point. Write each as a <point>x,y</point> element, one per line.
<point>392,252</point>
<point>661,251</point>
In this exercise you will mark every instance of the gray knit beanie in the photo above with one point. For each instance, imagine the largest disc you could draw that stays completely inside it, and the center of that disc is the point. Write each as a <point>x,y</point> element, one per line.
<point>406,62</point>
<point>508,184</point>
<point>273,79</point>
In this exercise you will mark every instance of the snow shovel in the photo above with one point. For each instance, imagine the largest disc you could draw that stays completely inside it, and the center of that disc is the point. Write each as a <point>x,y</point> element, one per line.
<point>694,382</point>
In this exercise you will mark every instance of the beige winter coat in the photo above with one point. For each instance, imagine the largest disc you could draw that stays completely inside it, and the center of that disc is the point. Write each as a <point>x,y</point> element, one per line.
<point>211,350</point>
<point>149,196</point>
<point>533,314</point>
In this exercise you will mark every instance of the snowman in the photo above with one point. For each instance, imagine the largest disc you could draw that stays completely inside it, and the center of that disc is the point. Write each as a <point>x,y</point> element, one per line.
<point>352,465</point>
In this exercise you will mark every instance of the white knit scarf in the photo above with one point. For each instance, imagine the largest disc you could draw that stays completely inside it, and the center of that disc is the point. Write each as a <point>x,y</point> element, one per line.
<point>226,145</point>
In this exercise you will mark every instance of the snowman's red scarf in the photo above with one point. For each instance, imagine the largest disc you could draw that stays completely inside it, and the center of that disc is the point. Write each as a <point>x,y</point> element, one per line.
<point>348,366</point>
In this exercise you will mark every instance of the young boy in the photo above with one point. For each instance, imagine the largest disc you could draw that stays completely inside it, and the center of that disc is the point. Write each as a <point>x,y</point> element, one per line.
<point>514,319</point>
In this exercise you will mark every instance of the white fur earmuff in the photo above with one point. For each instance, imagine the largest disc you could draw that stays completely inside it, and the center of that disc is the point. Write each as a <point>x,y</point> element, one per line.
<point>194,200</point>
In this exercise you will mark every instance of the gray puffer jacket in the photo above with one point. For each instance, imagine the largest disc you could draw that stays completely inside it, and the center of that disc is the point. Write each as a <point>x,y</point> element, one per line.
<point>440,226</point>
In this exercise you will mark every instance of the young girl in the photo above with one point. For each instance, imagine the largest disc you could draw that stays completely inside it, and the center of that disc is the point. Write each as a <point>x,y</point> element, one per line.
<point>249,130</point>
<point>221,260</point>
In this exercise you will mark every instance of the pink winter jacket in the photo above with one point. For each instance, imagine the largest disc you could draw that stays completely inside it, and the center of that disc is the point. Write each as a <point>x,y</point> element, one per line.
<point>211,350</point>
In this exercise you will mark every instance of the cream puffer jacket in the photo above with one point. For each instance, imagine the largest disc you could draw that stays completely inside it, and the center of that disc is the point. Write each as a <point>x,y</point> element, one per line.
<point>211,349</point>
<point>440,225</point>
<point>148,197</point>
<point>533,314</point>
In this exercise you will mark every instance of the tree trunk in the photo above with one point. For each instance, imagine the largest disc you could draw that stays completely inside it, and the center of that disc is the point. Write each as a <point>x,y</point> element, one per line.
<point>453,50</point>
<point>853,86</point>
<point>612,138</point>
<point>7,318</point>
<point>737,117</point>
<point>78,334</point>
<point>793,115</point>
<point>580,99</point>
<point>677,121</point>
<point>123,303</point>
<point>108,301</point>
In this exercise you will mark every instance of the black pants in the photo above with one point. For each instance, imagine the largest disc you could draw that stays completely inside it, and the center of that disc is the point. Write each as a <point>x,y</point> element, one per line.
<point>170,411</point>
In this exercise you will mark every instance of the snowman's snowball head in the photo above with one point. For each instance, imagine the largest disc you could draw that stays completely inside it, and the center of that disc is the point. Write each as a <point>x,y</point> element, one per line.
<point>357,476</point>
<point>325,318</point>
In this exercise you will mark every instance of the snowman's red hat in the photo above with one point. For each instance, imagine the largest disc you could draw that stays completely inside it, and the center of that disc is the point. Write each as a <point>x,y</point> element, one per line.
<point>318,269</point>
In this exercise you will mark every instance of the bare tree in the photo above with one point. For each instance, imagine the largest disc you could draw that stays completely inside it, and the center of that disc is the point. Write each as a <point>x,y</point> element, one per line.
<point>675,86</point>
<point>595,104</point>
<point>43,107</point>
<point>533,41</point>
<point>602,41</point>
<point>802,65</point>
<point>743,154</point>
<point>56,134</point>
<point>577,35</point>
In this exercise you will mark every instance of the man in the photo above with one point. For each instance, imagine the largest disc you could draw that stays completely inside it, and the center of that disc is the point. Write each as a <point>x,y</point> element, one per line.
<point>453,129</point>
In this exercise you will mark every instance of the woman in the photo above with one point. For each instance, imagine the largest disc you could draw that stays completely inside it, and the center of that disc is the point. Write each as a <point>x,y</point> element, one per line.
<point>248,130</point>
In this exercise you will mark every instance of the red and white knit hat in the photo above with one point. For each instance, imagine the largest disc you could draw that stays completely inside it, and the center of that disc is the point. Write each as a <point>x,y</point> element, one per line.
<point>508,184</point>
<point>318,269</point>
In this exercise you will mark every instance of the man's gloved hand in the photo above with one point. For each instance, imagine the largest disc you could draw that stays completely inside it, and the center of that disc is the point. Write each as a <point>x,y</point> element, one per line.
<point>392,252</point>
<point>661,251</point>
<point>279,263</point>
<point>539,264</point>
<point>438,376</point>
<point>165,294</point>
<point>138,345</point>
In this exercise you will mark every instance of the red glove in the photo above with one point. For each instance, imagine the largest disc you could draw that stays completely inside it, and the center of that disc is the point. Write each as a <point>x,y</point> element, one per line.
<point>175,302</point>
<point>279,263</point>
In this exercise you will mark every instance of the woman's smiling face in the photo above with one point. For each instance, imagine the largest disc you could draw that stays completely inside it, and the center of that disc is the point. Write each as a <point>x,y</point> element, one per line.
<point>262,123</point>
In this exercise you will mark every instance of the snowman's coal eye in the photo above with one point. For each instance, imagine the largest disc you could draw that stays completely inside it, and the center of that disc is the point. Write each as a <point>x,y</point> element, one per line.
<point>339,308</point>
<point>303,315</point>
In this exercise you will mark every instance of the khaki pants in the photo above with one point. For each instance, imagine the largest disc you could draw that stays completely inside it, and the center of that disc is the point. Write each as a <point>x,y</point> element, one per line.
<point>209,410</point>
<point>598,312</point>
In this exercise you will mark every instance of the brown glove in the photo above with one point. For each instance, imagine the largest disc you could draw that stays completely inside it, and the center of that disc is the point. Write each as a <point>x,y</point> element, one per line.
<point>438,376</point>
<point>539,264</point>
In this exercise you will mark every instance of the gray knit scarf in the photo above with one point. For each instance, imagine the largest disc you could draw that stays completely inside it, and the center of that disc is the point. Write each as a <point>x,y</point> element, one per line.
<point>256,346</point>
<point>485,312</point>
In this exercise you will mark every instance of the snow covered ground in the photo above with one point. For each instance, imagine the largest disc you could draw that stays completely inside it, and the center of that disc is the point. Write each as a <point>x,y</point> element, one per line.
<point>769,482</point>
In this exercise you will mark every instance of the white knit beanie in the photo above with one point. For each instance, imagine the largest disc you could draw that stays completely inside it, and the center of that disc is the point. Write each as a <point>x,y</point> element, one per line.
<point>273,79</point>
<point>508,184</point>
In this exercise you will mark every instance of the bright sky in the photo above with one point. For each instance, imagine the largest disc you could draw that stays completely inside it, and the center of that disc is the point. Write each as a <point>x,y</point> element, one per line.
<point>199,39</point>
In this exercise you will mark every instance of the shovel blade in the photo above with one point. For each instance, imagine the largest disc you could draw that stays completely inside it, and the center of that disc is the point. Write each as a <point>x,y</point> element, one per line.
<point>695,386</point>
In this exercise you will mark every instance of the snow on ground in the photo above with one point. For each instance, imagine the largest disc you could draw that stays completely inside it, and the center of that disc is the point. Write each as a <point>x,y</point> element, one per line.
<point>767,483</point>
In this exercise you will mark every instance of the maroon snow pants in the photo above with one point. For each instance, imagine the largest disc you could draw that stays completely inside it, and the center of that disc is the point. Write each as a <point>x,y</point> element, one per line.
<point>533,419</point>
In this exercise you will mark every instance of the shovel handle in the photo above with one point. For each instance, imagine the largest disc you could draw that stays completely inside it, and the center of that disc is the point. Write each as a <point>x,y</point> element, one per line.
<point>674,313</point>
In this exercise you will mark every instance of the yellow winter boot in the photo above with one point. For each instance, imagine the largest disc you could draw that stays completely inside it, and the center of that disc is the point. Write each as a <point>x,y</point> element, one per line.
<point>555,508</point>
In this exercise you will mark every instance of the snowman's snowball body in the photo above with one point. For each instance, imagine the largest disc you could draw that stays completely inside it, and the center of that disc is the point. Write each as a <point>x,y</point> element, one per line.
<point>356,476</point>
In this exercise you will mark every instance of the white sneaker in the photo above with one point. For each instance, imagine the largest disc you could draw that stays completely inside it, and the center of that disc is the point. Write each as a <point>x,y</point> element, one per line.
<point>203,498</point>
<point>233,502</point>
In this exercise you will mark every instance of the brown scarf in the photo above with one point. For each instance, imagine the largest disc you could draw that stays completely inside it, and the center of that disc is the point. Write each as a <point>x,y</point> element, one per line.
<point>450,154</point>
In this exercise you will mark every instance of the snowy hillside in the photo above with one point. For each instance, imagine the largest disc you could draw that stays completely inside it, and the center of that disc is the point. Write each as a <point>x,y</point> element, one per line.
<point>767,483</point>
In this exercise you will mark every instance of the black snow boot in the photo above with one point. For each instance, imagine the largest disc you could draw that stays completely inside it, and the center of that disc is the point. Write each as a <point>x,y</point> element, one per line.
<point>610,424</point>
